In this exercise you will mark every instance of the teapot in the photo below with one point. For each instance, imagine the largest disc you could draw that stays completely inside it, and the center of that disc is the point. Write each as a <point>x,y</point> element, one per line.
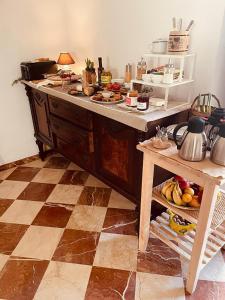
<point>192,145</point>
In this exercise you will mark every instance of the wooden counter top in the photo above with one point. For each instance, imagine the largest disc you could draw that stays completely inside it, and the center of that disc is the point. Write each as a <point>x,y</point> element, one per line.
<point>138,121</point>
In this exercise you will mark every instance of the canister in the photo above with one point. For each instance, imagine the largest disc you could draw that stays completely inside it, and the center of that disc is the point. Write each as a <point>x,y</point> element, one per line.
<point>178,42</point>
<point>159,46</point>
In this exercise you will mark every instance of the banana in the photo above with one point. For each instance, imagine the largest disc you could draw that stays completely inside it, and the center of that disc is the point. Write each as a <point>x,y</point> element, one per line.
<point>165,187</point>
<point>176,197</point>
<point>179,189</point>
<point>169,192</point>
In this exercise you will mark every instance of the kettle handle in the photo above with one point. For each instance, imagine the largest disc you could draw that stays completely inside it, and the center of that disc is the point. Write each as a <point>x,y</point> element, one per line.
<point>211,136</point>
<point>179,126</point>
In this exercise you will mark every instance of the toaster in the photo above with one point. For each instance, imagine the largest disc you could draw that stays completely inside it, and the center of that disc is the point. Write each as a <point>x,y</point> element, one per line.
<point>35,70</point>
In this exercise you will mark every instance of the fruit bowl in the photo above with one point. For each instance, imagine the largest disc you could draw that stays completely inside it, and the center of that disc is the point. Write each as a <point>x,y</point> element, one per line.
<point>180,193</point>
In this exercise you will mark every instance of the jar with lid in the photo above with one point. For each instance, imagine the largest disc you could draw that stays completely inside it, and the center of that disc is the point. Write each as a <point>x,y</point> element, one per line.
<point>168,76</point>
<point>141,68</point>
<point>143,101</point>
<point>106,77</point>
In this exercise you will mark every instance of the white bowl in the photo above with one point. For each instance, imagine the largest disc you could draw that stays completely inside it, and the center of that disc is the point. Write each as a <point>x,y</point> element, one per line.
<point>156,78</point>
<point>107,94</point>
<point>118,80</point>
<point>146,77</point>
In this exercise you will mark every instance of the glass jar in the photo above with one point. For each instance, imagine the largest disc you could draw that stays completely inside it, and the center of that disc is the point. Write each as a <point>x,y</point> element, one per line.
<point>168,76</point>
<point>143,102</point>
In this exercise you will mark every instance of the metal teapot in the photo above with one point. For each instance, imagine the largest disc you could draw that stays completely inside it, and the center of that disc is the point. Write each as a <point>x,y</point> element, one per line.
<point>217,154</point>
<point>193,144</point>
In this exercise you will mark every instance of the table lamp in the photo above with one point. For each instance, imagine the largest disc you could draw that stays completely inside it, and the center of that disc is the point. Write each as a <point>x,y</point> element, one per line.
<point>65,59</point>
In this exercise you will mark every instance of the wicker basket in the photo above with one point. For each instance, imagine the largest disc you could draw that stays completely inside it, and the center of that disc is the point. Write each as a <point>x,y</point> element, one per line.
<point>200,108</point>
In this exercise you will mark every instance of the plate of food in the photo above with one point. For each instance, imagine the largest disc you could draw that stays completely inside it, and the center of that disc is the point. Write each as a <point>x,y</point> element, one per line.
<point>107,98</point>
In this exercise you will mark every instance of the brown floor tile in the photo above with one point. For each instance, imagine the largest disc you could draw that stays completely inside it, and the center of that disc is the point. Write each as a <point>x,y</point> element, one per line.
<point>74,177</point>
<point>57,163</point>
<point>20,278</point>
<point>4,205</point>
<point>95,196</point>
<point>123,221</point>
<point>159,259</point>
<point>10,235</point>
<point>110,284</point>
<point>77,246</point>
<point>208,290</point>
<point>53,215</point>
<point>37,191</point>
<point>23,174</point>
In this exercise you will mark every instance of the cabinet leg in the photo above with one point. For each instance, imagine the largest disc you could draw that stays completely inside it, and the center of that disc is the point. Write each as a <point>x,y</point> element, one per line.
<point>41,149</point>
<point>146,200</point>
<point>202,232</point>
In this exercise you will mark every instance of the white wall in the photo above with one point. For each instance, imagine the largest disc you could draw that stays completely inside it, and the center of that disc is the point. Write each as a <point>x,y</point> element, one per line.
<point>28,29</point>
<point>121,30</point>
<point>117,30</point>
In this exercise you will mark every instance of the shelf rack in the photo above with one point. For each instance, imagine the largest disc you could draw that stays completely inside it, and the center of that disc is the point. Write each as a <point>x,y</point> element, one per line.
<point>180,81</point>
<point>199,246</point>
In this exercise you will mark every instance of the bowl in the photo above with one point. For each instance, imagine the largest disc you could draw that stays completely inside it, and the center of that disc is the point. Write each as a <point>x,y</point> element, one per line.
<point>106,94</point>
<point>156,78</point>
<point>146,77</point>
<point>118,80</point>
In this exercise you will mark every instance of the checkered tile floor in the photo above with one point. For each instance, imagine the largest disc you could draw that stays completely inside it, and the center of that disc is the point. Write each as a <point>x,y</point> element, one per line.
<point>66,235</point>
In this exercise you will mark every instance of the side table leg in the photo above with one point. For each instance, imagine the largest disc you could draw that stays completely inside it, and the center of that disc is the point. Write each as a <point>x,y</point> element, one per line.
<point>146,199</point>
<point>202,232</point>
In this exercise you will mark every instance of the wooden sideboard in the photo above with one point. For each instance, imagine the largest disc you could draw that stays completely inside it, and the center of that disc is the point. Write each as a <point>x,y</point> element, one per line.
<point>100,145</point>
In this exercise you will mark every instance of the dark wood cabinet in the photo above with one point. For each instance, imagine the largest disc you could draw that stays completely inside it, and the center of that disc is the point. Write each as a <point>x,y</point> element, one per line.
<point>115,151</point>
<point>100,145</point>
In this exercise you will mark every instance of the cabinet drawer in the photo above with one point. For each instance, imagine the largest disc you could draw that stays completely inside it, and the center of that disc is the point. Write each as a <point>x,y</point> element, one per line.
<point>70,112</point>
<point>81,139</point>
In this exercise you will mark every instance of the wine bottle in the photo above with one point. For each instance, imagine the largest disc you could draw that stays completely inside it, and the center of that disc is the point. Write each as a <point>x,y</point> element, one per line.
<point>100,70</point>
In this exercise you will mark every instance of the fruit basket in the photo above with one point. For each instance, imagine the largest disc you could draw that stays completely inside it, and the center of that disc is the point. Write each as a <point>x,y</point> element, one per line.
<point>180,193</point>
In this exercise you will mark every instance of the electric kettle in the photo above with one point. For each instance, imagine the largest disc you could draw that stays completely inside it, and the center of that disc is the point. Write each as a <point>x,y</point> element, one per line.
<point>193,144</point>
<point>217,154</point>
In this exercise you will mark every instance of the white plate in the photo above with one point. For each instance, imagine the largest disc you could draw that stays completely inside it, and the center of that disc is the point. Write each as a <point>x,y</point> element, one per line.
<point>104,102</point>
<point>134,109</point>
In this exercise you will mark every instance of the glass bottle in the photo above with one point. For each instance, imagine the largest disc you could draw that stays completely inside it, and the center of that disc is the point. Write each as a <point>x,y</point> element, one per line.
<point>168,76</point>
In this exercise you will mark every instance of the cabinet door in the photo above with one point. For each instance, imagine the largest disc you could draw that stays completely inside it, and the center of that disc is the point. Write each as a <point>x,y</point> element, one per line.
<point>73,142</point>
<point>115,153</point>
<point>41,114</point>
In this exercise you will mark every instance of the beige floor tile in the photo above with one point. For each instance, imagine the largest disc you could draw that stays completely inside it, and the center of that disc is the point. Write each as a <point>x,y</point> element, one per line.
<point>213,271</point>
<point>117,251</point>
<point>38,163</point>
<point>64,281</point>
<point>93,181</point>
<point>38,242</point>
<point>4,174</point>
<point>88,218</point>
<point>3,260</point>
<point>159,287</point>
<point>67,194</point>
<point>21,212</point>
<point>73,166</point>
<point>10,189</point>
<point>118,201</point>
<point>48,175</point>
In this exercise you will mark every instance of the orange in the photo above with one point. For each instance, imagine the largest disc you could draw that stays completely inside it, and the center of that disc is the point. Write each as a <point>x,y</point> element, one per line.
<point>186,198</point>
<point>194,202</point>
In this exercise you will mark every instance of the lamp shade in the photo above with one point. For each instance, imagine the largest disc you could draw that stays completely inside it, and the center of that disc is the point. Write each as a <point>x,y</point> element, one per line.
<point>65,58</point>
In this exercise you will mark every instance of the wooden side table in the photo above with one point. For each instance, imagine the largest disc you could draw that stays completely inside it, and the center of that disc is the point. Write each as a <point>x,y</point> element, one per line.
<point>199,246</point>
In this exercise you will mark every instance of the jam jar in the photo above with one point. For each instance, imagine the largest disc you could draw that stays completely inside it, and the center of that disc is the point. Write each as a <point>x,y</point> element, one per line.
<point>143,102</point>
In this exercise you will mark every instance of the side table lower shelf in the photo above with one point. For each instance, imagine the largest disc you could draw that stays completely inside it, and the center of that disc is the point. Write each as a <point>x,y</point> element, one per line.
<point>183,244</point>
